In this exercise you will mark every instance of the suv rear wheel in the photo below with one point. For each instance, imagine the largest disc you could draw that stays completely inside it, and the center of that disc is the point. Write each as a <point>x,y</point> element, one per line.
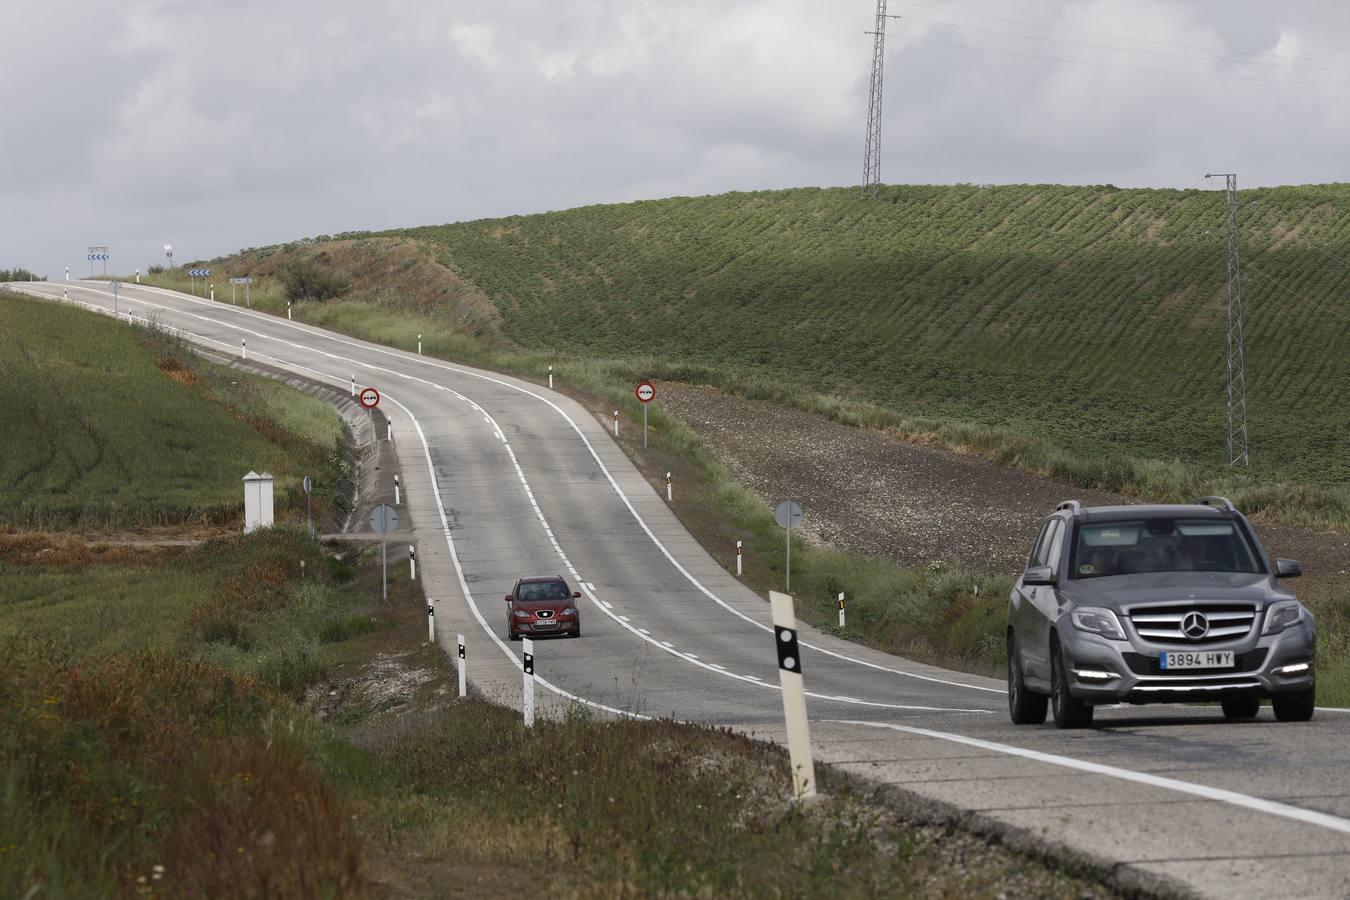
<point>1294,707</point>
<point>1024,706</point>
<point>1070,712</point>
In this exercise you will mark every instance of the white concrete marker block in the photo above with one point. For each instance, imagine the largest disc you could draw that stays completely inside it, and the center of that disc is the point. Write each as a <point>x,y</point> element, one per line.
<point>527,683</point>
<point>257,501</point>
<point>794,697</point>
<point>463,686</point>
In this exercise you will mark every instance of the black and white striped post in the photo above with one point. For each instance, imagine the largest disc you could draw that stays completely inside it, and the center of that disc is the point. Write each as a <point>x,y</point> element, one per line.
<point>431,623</point>
<point>738,558</point>
<point>794,697</point>
<point>527,683</point>
<point>412,563</point>
<point>462,685</point>
<point>396,490</point>
<point>841,609</point>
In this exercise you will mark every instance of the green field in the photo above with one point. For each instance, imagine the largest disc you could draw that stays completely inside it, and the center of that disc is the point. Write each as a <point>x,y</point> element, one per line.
<point>106,426</point>
<point>1074,330</point>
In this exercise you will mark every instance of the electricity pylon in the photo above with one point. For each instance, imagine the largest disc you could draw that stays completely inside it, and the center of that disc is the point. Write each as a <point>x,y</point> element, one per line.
<point>1237,367</point>
<point>872,151</point>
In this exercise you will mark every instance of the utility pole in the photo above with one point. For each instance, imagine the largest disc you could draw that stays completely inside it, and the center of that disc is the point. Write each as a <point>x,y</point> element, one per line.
<point>872,151</point>
<point>1237,367</point>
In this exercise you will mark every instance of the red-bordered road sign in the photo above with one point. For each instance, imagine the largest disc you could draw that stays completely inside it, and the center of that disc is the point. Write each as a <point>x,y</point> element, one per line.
<point>369,398</point>
<point>646,392</point>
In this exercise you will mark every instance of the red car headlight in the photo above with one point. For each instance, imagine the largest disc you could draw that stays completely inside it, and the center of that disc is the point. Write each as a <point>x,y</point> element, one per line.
<point>570,611</point>
<point>522,614</point>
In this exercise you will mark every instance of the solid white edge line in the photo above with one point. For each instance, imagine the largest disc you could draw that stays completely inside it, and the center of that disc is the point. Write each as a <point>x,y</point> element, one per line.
<point>400,355</point>
<point>1258,804</point>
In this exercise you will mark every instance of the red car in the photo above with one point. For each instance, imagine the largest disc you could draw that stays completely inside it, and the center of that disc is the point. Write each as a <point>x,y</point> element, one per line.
<point>540,606</point>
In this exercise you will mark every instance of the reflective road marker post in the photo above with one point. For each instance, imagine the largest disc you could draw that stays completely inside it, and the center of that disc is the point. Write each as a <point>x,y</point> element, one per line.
<point>412,563</point>
<point>288,309</point>
<point>462,685</point>
<point>738,558</point>
<point>794,697</point>
<point>788,513</point>
<point>550,378</point>
<point>616,423</point>
<point>213,292</point>
<point>384,519</point>
<point>388,430</point>
<point>397,491</point>
<point>431,623</point>
<point>527,684</point>
<point>419,345</point>
<point>243,347</point>
<point>353,385</point>
<point>670,495</point>
<point>308,485</point>
<point>646,392</point>
<point>841,609</point>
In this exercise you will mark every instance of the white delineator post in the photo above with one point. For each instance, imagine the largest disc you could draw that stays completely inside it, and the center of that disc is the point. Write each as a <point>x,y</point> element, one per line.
<point>213,293</point>
<point>353,385</point>
<point>794,697</point>
<point>431,623</point>
<point>138,276</point>
<point>243,347</point>
<point>388,430</point>
<point>419,345</point>
<point>616,423</point>
<point>257,501</point>
<point>550,378</point>
<point>527,683</point>
<point>412,563</point>
<point>670,495</point>
<point>396,490</point>
<point>738,558</point>
<point>841,609</point>
<point>462,684</point>
<point>288,309</point>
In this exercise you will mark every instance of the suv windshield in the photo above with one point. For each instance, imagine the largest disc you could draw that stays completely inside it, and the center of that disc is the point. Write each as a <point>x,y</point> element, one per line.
<point>1131,546</point>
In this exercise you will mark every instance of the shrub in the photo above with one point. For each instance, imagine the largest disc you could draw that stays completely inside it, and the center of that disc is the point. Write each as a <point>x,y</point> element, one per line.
<point>307,280</point>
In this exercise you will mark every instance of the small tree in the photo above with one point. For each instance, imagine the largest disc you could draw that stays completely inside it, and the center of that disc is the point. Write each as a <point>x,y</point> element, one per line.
<point>307,280</point>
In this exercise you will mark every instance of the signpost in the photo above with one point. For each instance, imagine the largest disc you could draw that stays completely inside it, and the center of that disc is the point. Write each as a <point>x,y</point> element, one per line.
<point>384,519</point>
<point>245,281</point>
<point>194,274</point>
<point>116,288</point>
<point>369,398</point>
<point>98,254</point>
<point>788,514</point>
<point>308,485</point>
<point>168,252</point>
<point>646,393</point>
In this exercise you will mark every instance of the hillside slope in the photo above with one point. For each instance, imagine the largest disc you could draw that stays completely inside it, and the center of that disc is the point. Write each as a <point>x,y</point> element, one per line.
<point>1091,316</point>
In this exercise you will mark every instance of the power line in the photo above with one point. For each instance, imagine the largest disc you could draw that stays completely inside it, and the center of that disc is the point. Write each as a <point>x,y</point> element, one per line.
<point>1121,37</point>
<point>1249,269</point>
<point>1167,53</point>
<point>1083,62</point>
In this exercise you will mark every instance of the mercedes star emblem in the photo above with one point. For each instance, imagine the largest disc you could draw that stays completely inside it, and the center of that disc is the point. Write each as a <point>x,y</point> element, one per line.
<point>1195,626</point>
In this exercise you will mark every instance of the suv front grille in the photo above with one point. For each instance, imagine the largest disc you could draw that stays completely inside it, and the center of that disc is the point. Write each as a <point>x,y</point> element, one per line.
<point>1163,624</point>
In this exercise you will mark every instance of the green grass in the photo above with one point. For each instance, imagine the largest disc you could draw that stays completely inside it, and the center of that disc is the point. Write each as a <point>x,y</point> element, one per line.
<point>1077,331</point>
<point>105,426</point>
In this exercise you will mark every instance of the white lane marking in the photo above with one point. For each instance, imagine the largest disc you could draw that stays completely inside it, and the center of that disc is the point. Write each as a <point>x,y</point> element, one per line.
<point>520,474</point>
<point>716,666</point>
<point>1338,709</point>
<point>375,348</point>
<point>1259,804</point>
<point>440,507</point>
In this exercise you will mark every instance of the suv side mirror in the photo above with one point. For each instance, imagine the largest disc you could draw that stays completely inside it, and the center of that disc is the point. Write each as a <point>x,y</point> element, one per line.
<point>1038,575</point>
<point>508,598</point>
<point>1288,568</point>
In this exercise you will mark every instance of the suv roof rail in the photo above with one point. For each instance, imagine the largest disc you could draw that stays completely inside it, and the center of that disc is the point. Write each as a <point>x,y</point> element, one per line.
<point>1218,502</point>
<point>1071,505</point>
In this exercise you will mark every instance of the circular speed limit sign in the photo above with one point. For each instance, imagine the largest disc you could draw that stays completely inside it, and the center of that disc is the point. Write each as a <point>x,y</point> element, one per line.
<point>369,398</point>
<point>646,392</point>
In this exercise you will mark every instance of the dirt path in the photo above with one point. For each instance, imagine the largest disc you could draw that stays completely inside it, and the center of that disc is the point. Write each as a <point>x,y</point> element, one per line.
<point>874,493</point>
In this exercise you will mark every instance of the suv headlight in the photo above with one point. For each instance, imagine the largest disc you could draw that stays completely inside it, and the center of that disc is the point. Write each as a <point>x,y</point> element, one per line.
<point>1281,615</point>
<point>1098,621</point>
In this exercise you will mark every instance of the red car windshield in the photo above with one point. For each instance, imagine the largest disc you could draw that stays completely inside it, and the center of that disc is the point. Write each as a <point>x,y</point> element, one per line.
<point>543,590</point>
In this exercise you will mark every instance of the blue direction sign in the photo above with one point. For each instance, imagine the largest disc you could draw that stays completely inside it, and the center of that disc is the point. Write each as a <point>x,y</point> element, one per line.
<point>200,273</point>
<point>95,256</point>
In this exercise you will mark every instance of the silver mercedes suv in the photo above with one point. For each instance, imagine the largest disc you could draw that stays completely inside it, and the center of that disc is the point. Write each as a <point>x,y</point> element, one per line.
<point>1155,604</point>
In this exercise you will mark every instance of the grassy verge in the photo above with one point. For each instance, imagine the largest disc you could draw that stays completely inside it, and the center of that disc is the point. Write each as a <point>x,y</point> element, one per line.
<point>159,737</point>
<point>105,427</point>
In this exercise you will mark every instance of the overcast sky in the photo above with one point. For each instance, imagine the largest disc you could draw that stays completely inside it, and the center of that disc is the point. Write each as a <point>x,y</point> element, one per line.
<point>215,126</point>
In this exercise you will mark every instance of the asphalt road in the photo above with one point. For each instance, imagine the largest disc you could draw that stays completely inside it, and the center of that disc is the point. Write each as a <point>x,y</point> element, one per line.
<point>504,478</point>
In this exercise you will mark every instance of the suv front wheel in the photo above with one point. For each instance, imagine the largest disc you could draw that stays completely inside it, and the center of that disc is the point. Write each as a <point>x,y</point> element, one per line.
<point>1294,707</point>
<point>1024,706</point>
<point>1070,712</point>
